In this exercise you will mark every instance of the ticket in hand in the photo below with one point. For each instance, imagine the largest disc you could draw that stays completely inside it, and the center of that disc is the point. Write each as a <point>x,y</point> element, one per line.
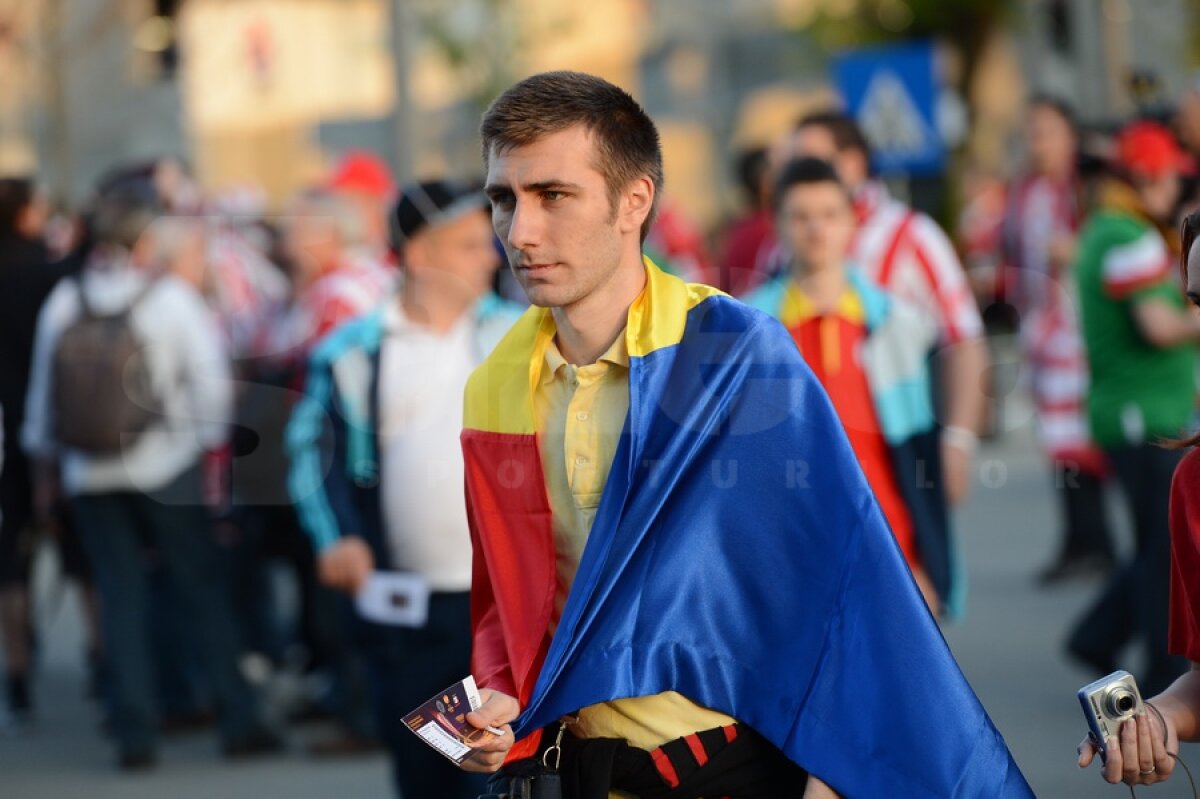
<point>394,598</point>
<point>442,721</point>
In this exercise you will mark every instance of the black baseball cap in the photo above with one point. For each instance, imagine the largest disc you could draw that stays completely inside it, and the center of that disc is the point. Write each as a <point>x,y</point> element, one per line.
<point>430,203</point>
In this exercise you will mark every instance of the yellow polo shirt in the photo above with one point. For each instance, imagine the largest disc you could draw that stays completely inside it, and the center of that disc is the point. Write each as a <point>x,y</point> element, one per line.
<point>580,412</point>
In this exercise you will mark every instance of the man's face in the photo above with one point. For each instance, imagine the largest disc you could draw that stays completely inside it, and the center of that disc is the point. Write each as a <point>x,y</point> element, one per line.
<point>312,241</point>
<point>458,254</point>
<point>1160,194</point>
<point>551,210</point>
<point>1051,142</point>
<point>816,222</point>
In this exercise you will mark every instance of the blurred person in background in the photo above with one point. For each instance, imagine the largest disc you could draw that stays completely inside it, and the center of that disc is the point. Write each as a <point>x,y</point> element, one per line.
<point>1041,223</point>
<point>1186,124</point>
<point>1141,348</point>
<point>747,241</point>
<point>392,497</point>
<point>26,279</point>
<point>870,352</point>
<point>1142,753</point>
<point>127,434</point>
<point>979,233</point>
<point>319,231</point>
<point>366,184</point>
<point>905,252</point>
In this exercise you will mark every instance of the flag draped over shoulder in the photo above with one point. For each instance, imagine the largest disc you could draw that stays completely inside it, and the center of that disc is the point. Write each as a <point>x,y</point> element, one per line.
<point>737,557</point>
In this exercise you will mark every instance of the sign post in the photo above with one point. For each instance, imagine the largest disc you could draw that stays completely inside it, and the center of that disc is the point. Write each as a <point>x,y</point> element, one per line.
<point>892,92</point>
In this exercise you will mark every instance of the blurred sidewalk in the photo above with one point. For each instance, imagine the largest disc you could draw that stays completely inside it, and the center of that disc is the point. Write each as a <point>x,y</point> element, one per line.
<point>66,756</point>
<point>1009,646</point>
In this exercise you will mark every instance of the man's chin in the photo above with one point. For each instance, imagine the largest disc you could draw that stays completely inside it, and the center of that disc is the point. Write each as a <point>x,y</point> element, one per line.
<point>545,296</point>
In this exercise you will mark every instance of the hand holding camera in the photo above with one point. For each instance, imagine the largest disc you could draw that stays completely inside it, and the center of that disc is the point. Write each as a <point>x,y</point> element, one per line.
<point>1133,739</point>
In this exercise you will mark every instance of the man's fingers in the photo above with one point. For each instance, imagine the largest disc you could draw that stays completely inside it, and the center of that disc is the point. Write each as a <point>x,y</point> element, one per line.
<point>1087,752</point>
<point>482,762</point>
<point>497,710</point>
<point>1112,755</point>
<point>1164,764</point>
<point>1145,748</point>
<point>491,742</point>
<point>1129,752</point>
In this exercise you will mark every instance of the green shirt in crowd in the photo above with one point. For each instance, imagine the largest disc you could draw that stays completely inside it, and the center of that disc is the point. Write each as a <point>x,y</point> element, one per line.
<point>1138,393</point>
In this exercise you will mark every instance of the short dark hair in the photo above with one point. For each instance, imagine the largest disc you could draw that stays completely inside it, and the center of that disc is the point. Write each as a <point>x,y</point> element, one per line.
<point>804,172</point>
<point>750,168</point>
<point>627,142</point>
<point>15,196</point>
<point>847,135</point>
<point>122,214</point>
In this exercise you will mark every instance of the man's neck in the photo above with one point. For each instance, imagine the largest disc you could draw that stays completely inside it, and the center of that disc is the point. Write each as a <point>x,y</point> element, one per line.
<point>586,329</point>
<point>824,285</point>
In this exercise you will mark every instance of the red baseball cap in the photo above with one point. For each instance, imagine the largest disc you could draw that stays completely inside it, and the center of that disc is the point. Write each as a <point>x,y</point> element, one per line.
<point>1149,149</point>
<point>363,173</point>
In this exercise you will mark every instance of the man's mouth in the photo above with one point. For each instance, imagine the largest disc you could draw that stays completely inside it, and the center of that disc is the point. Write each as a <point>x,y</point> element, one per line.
<point>533,268</point>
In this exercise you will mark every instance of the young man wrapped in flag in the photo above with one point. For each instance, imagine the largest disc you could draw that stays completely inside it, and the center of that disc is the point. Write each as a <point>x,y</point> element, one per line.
<point>680,570</point>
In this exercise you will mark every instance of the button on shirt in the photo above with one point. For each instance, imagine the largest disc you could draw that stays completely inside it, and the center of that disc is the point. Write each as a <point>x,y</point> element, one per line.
<point>580,412</point>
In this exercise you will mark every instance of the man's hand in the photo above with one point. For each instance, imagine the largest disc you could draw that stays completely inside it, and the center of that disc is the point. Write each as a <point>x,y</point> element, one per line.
<point>815,789</point>
<point>1139,756</point>
<point>346,565</point>
<point>497,711</point>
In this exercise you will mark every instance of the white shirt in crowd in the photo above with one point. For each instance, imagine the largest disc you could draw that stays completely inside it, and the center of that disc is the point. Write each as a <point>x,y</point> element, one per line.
<point>187,363</point>
<point>422,377</point>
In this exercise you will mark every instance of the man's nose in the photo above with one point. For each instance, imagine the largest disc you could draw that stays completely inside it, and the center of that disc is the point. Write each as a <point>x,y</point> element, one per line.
<point>524,230</point>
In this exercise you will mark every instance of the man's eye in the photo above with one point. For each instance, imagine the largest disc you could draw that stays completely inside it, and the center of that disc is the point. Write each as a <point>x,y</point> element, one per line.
<point>501,200</point>
<point>552,195</point>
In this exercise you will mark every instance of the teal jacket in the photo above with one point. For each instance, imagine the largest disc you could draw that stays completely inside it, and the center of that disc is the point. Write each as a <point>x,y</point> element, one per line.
<point>332,437</point>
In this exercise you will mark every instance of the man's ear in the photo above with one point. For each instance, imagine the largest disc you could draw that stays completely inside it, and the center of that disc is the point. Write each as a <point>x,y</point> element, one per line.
<point>636,202</point>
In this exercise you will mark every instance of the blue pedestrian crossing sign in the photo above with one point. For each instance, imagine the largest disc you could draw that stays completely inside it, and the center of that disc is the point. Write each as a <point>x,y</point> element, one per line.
<point>892,91</point>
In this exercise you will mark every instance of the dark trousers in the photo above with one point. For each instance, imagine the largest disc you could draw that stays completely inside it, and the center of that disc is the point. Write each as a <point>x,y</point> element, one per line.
<point>407,666</point>
<point>1085,516</point>
<point>115,529</point>
<point>1135,602</point>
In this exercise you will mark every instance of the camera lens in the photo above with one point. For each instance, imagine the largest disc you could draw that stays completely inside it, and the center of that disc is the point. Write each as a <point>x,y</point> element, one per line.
<point>1121,701</point>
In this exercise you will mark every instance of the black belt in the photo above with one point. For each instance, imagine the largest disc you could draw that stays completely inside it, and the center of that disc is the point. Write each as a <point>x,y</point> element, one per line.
<point>732,761</point>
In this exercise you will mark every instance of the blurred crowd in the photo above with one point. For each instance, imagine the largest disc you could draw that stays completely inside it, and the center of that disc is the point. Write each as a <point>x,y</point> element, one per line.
<point>171,361</point>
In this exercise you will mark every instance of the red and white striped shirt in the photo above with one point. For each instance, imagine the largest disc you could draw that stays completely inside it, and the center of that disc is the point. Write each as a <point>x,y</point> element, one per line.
<point>905,252</point>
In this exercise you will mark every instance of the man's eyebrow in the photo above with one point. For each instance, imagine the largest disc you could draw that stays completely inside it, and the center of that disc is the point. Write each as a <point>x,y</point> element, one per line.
<point>551,185</point>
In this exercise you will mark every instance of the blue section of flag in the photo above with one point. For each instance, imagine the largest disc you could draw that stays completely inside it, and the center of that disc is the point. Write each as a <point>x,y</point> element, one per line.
<point>739,557</point>
<point>892,91</point>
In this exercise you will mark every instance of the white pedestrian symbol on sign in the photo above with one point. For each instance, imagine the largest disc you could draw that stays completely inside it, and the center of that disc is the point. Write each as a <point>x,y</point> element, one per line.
<point>891,120</point>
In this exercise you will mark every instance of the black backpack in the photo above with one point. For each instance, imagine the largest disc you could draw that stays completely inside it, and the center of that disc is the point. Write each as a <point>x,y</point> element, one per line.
<point>104,397</point>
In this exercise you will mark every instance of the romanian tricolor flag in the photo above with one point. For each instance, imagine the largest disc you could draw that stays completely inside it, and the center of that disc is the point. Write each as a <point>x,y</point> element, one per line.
<point>737,557</point>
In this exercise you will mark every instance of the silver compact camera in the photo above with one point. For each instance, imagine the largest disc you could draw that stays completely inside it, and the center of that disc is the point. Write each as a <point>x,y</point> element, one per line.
<point>1107,703</point>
